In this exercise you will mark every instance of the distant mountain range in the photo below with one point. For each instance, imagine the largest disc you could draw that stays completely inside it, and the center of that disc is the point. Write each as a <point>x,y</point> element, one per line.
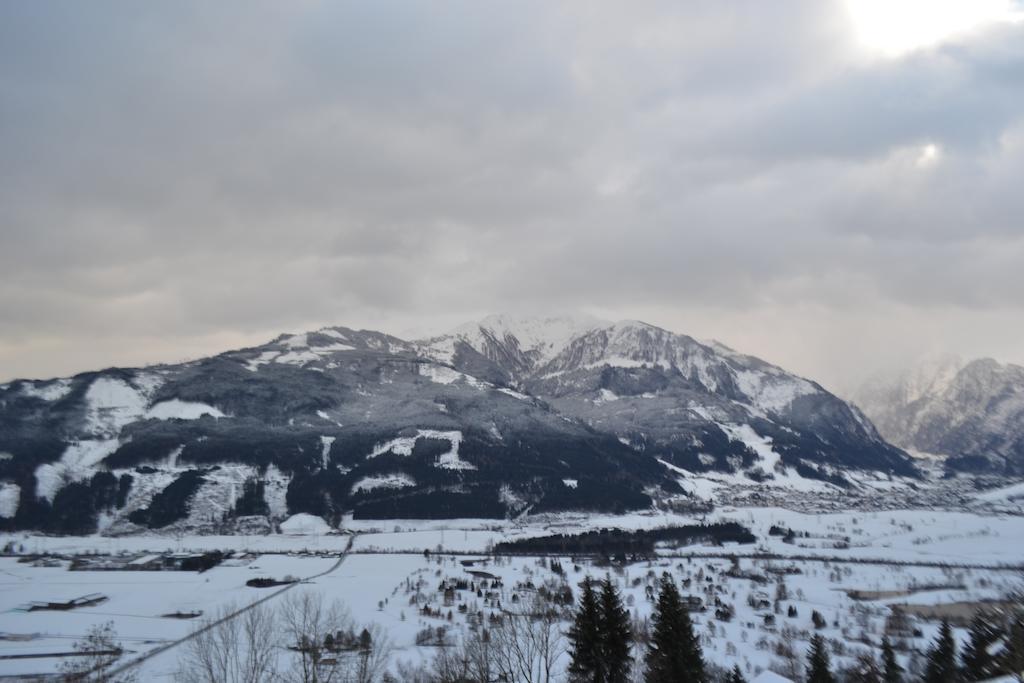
<point>972,412</point>
<point>499,417</point>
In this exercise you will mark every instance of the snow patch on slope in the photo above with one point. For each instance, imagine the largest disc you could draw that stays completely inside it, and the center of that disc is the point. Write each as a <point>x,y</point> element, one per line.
<point>772,393</point>
<point>404,445</point>
<point>304,524</point>
<point>78,463</point>
<point>110,405</point>
<point>176,409</point>
<point>10,494</point>
<point>47,391</point>
<point>325,449</point>
<point>396,480</point>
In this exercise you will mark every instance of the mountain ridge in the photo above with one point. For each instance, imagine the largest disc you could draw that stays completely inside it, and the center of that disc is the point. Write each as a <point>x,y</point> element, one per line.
<point>972,412</point>
<point>585,414</point>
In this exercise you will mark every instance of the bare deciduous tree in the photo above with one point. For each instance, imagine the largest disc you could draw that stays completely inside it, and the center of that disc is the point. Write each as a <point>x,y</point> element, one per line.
<point>94,655</point>
<point>238,650</point>
<point>529,642</point>
<point>310,626</point>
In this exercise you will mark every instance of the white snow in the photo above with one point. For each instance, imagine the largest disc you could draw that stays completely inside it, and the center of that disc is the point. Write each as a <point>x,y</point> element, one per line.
<point>10,494</point>
<point>761,445</point>
<point>298,357</point>
<point>264,358</point>
<point>325,449</point>
<point>404,445</point>
<point>296,341</point>
<point>395,480</point>
<point>77,463</point>
<point>514,394</point>
<point>547,335</point>
<point>606,396</point>
<point>570,483</point>
<point>47,391</point>
<point>333,348</point>
<point>1002,494</point>
<point>770,677</point>
<point>331,332</point>
<point>110,405</point>
<point>176,409</point>
<point>276,491</point>
<point>770,392</point>
<point>441,374</point>
<point>304,524</point>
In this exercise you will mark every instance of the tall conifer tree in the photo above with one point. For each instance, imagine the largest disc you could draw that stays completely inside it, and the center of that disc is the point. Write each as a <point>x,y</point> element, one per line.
<point>615,634</point>
<point>942,665</point>
<point>819,666</point>
<point>977,662</point>
<point>586,659</point>
<point>674,653</point>
<point>892,672</point>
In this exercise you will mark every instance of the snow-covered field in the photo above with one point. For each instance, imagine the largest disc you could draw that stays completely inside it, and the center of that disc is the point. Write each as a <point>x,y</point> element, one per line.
<point>388,579</point>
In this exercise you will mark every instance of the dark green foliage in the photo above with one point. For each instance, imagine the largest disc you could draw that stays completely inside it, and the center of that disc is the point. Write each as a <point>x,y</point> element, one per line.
<point>736,676</point>
<point>614,541</point>
<point>976,662</point>
<point>674,653</point>
<point>892,672</point>
<point>1012,658</point>
<point>942,665</point>
<point>586,659</point>
<point>171,504</point>
<point>72,511</point>
<point>253,500</point>
<point>75,506</point>
<point>474,501</point>
<point>615,634</point>
<point>599,637</point>
<point>819,666</point>
<point>124,485</point>
<point>818,620</point>
<point>865,670</point>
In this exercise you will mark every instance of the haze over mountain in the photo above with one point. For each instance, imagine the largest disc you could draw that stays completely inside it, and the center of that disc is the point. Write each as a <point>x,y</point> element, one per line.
<point>499,417</point>
<point>972,412</point>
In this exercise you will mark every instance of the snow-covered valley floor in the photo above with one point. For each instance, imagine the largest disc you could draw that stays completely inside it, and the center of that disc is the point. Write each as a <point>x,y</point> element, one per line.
<point>388,579</point>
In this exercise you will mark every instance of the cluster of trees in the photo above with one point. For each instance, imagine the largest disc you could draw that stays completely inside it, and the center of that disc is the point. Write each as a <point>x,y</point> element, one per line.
<point>306,640</point>
<point>601,639</point>
<point>172,503</point>
<point>523,644</point>
<point>609,542</point>
<point>995,648</point>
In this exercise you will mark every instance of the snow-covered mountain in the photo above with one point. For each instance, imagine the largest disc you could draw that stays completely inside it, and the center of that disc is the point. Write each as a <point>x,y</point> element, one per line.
<point>498,417</point>
<point>671,396</point>
<point>972,412</point>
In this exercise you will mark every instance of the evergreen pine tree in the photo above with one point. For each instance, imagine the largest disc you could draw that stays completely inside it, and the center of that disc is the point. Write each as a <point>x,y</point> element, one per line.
<point>892,672</point>
<point>615,635</point>
<point>818,664</point>
<point>1011,661</point>
<point>865,670</point>
<point>976,662</point>
<point>586,659</point>
<point>941,667</point>
<point>736,676</point>
<point>674,653</point>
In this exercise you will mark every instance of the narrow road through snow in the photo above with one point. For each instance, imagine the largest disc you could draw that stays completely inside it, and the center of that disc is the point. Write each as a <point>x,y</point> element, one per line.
<point>132,663</point>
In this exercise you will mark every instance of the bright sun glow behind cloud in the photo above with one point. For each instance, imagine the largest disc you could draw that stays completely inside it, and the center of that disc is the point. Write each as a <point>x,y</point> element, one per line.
<point>895,27</point>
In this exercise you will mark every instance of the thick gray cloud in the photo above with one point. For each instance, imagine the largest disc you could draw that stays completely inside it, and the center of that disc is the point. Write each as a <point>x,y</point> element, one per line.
<point>177,179</point>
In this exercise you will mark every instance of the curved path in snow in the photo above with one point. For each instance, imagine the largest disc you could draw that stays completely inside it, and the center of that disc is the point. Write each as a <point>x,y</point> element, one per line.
<point>133,663</point>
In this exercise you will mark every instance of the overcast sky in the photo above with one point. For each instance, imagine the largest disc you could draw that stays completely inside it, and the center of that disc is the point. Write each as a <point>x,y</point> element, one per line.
<point>834,186</point>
